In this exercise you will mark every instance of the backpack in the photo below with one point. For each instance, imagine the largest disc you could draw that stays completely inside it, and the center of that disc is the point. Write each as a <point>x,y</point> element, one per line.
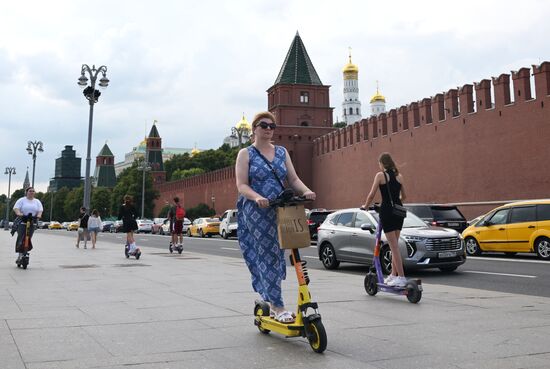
<point>180,213</point>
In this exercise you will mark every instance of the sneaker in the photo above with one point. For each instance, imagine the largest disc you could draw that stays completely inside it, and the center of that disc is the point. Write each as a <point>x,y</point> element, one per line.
<point>389,278</point>
<point>398,282</point>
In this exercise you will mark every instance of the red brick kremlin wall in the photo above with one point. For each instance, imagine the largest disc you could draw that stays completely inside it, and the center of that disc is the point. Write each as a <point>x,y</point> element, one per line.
<point>459,146</point>
<point>446,151</point>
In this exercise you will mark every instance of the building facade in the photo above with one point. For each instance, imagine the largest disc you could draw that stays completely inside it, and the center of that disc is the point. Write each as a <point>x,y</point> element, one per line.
<point>67,170</point>
<point>351,106</point>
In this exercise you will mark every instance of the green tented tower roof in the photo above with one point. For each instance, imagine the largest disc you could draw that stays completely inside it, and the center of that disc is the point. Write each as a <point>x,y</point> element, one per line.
<point>154,131</point>
<point>297,67</point>
<point>105,151</point>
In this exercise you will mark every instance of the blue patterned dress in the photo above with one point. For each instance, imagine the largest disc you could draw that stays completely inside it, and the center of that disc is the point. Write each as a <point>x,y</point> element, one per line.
<point>257,230</point>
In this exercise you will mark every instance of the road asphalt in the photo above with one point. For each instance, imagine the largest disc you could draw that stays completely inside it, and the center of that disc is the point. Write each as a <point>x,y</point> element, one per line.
<point>75,308</point>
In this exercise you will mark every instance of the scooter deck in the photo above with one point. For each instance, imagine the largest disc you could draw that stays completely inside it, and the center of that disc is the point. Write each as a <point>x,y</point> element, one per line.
<point>288,330</point>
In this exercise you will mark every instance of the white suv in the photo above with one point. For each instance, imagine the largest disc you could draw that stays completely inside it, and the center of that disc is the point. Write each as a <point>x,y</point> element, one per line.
<point>228,224</point>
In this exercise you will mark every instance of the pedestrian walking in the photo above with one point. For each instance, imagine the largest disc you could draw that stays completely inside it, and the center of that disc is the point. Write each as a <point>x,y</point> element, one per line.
<point>391,185</point>
<point>94,225</point>
<point>176,216</point>
<point>128,213</point>
<point>82,227</point>
<point>261,170</point>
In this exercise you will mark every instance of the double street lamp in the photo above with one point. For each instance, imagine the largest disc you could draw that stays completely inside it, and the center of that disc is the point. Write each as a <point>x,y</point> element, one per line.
<point>143,166</point>
<point>32,148</point>
<point>92,95</point>
<point>9,171</point>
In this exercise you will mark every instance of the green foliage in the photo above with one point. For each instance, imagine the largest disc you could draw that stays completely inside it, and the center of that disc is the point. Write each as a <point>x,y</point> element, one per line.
<point>206,161</point>
<point>184,173</point>
<point>340,125</point>
<point>101,200</point>
<point>129,182</point>
<point>73,202</point>
<point>164,211</point>
<point>199,211</point>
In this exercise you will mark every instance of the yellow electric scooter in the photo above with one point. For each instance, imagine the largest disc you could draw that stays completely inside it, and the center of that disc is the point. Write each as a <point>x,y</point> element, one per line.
<point>308,322</point>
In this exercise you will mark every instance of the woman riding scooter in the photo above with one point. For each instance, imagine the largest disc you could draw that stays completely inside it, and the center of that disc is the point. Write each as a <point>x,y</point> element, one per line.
<point>23,207</point>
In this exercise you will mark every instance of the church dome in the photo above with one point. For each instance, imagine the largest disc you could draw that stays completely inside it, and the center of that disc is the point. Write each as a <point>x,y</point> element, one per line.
<point>243,124</point>
<point>350,68</point>
<point>377,97</point>
<point>195,151</point>
<point>142,147</point>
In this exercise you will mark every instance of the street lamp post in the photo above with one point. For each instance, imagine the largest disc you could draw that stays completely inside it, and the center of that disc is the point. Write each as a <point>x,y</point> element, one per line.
<point>9,171</point>
<point>32,148</point>
<point>143,166</point>
<point>92,95</point>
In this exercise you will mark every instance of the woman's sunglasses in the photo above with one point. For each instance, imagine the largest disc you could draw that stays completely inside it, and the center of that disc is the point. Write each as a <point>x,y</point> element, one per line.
<point>266,125</point>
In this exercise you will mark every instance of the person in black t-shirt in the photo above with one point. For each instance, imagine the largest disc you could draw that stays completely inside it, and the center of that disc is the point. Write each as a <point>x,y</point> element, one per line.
<point>82,227</point>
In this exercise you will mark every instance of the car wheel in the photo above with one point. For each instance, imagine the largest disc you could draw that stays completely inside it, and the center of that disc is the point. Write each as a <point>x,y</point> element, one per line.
<point>328,256</point>
<point>472,247</point>
<point>542,248</point>
<point>189,233</point>
<point>224,234</point>
<point>385,259</point>
<point>448,269</point>
<point>201,233</point>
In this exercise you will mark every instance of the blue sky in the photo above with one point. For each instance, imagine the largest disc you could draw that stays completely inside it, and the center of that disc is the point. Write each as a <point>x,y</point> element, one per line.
<point>197,66</point>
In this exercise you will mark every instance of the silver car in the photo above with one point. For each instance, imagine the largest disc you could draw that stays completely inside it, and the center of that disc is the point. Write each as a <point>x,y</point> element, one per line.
<point>341,238</point>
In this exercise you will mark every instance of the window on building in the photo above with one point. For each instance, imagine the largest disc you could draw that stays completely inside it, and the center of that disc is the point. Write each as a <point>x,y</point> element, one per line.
<point>357,111</point>
<point>304,97</point>
<point>350,111</point>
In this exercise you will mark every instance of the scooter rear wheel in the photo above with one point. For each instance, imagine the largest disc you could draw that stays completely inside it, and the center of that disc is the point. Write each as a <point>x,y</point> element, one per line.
<point>317,336</point>
<point>413,292</point>
<point>371,285</point>
<point>262,309</point>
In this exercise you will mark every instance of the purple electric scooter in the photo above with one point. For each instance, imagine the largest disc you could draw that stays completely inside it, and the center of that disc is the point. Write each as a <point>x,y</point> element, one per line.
<point>374,280</point>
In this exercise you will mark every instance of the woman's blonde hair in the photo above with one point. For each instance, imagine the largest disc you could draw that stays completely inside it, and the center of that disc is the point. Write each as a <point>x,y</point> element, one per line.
<point>387,162</point>
<point>262,115</point>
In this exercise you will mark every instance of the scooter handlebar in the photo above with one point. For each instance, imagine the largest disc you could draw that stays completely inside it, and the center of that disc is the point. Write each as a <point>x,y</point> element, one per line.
<point>290,201</point>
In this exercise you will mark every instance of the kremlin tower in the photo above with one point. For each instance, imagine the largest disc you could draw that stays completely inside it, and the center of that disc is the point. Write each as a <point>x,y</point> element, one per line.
<point>351,107</point>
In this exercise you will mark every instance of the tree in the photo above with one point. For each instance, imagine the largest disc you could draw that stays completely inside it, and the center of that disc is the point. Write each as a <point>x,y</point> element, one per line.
<point>184,173</point>
<point>199,211</point>
<point>164,211</point>
<point>58,211</point>
<point>73,202</point>
<point>101,200</point>
<point>129,182</point>
<point>340,125</point>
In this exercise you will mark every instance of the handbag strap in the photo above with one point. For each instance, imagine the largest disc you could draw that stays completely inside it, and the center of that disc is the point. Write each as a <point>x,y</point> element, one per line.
<point>388,187</point>
<point>269,165</point>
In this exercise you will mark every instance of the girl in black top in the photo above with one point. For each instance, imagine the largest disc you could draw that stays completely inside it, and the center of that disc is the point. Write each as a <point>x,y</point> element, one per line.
<point>128,214</point>
<point>82,227</point>
<point>391,224</point>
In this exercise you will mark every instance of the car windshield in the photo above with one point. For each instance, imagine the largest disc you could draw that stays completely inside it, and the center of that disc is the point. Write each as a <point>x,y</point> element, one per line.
<point>318,216</point>
<point>212,220</point>
<point>411,220</point>
<point>446,213</point>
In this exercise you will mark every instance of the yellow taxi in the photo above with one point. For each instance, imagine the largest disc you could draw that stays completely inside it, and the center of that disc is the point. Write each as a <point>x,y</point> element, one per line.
<point>204,227</point>
<point>517,227</point>
<point>73,226</point>
<point>55,225</point>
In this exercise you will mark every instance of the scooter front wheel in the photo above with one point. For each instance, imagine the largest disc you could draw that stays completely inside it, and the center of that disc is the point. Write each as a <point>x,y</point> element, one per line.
<point>414,294</point>
<point>262,309</point>
<point>317,336</point>
<point>371,285</point>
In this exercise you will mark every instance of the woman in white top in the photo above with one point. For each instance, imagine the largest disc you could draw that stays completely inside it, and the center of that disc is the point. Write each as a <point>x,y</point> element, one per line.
<point>23,207</point>
<point>94,226</point>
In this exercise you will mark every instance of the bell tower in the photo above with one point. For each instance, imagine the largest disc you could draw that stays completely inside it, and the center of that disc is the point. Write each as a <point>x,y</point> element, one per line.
<point>153,154</point>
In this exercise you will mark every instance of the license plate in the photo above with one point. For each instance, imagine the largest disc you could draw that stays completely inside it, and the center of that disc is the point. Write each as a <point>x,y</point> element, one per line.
<point>448,254</point>
<point>453,224</point>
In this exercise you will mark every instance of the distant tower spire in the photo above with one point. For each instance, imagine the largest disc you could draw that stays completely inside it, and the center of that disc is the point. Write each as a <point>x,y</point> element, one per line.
<point>26,182</point>
<point>351,107</point>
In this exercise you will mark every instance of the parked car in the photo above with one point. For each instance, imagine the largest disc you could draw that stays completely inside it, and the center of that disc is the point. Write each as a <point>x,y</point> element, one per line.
<point>314,219</point>
<point>73,226</point>
<point>228,224</point>
<point>204,227</point>
<point>55,225</point>
<point>157,224</point>
<point>165,228</point>
<point>341,239</point>
<point>116,227</point>
<point>447,216</point>
<point>42,225</point>
<point>64,225</point>
<point>144,226</point>
<point>106,225</point>
<point>512,228</point>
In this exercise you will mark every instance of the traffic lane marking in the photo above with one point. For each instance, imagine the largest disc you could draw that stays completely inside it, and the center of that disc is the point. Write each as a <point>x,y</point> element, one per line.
<point>502,274</point>
<point>508,259</point>
<point>230,248</point>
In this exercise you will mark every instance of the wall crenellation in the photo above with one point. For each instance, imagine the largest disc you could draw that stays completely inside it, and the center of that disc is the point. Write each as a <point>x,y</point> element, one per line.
<point>444,107</point>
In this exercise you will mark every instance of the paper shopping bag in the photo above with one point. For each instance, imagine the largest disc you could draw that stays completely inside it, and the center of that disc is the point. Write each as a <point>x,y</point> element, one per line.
<point>292,227</point>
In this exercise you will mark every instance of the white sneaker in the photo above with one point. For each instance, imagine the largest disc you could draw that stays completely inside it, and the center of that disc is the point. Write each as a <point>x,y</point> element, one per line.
<point>389,278</point>
<point>398,282</point>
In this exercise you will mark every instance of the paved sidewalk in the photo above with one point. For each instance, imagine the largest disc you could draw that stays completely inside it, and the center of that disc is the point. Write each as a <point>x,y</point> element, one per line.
<point>76,308</point>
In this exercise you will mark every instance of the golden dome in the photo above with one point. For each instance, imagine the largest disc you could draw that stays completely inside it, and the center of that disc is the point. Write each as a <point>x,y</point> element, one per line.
<point>243,124</point>
<point>195,151</point>
<point>377,96</point>
<point>350,68</point>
